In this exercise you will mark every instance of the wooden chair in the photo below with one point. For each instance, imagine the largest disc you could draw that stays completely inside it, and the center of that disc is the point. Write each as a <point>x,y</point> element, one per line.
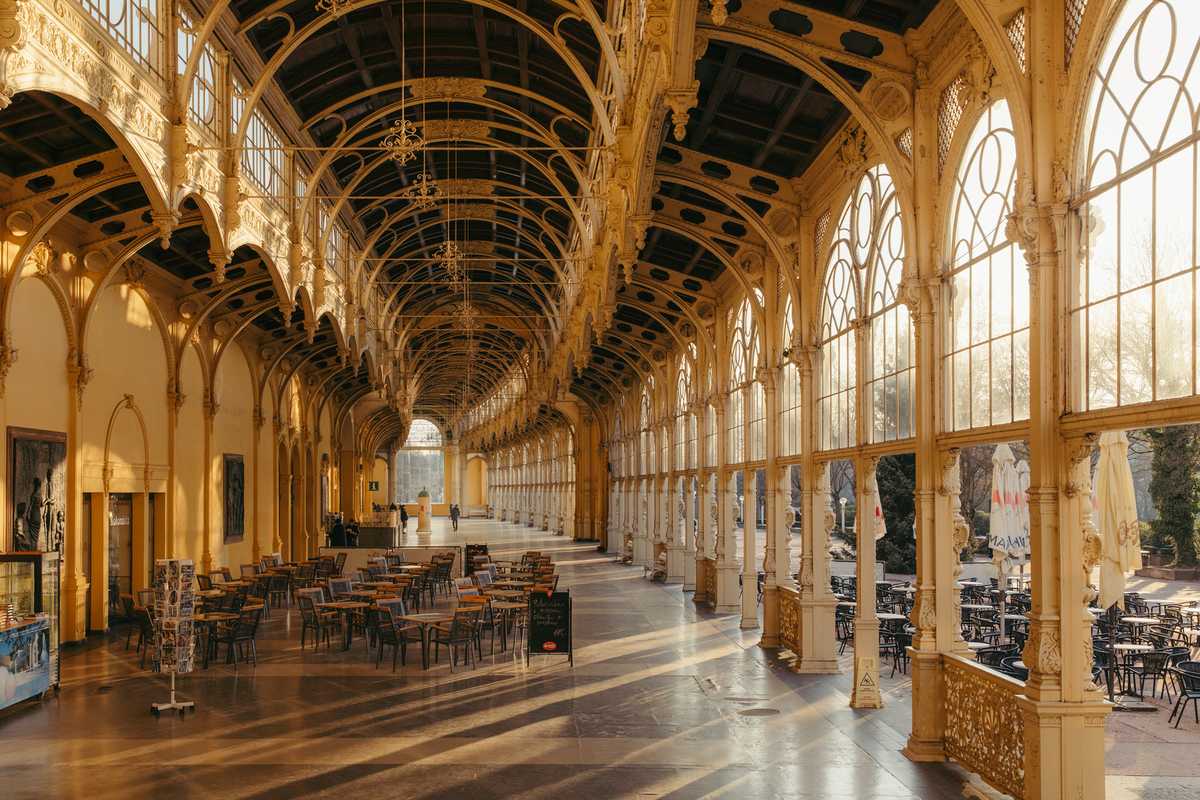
<point>314,619</point>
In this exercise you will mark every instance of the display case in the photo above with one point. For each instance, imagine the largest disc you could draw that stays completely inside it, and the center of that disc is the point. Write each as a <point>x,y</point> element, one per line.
<point>29,625</point>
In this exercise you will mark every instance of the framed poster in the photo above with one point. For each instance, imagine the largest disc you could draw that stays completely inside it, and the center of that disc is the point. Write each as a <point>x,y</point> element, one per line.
<point>234,472</point>
<point>37,489</point>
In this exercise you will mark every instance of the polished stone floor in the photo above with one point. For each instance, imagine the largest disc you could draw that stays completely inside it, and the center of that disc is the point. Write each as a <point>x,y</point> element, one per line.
<point>663,701</point>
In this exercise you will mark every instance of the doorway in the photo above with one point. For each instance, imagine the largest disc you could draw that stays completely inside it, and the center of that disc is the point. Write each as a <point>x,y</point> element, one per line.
<point>120,549</point>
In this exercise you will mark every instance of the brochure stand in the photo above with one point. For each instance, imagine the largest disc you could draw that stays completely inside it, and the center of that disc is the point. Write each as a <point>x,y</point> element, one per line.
<point>174,612</point>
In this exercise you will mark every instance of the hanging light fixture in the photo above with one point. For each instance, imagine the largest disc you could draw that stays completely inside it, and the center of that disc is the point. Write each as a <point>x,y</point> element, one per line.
<point>402,142</point>
<point>421,193</point>
<point>449,258</point>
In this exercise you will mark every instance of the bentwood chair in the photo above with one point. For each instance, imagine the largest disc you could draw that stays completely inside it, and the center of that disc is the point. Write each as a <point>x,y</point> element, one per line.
<point>459,634</point>
<point>1187,675</point>
<point>314,619</point>
<point>392,631</point>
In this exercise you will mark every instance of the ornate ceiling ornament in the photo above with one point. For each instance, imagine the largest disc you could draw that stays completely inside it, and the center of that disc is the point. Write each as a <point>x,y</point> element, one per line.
<point>422,192</point>
<point>447,87</point>
<point>719,12</point>
<point>852,152</point>
<point>334,8</point>
<point>403,142</point>
<point>454,129</point>
<point>449,258</point>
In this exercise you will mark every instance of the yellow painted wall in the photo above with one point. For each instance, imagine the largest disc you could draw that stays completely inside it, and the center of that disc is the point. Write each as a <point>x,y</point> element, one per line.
<point>36,388</point>
<point>475,492</point>
<point>380,473</point>
<point>189,463</point>
<point>233,432</point>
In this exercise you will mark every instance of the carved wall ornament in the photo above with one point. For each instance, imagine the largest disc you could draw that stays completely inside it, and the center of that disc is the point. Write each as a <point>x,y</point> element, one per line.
<point>890,100</point>
<point>19,222</point>
<point>135,275</point>
<point>719,12</point>
<point>42,256</point>
<point>681,102</point>
<point>978,75</point>
<point>852,152</point>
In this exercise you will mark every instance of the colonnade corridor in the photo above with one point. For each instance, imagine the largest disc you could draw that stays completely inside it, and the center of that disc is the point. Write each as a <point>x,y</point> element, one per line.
<point>663,701</point>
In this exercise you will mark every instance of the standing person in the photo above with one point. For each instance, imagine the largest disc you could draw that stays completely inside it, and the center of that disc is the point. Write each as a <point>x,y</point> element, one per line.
<point>403,519</point>
<point>454,515</point>
<point>337,536</point>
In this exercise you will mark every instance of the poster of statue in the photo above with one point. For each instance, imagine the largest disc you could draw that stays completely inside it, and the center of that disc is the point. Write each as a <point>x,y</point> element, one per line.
<point>235,497</point>
<point>37,489</point>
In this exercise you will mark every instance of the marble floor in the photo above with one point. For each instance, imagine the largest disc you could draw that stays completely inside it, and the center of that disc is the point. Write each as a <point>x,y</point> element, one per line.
<point>663,701</point>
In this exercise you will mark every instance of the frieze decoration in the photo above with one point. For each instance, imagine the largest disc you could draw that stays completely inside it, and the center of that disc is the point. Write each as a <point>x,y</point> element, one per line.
<point>852,152</point>
<point>1043,649</point>
<point>453,129</point>
<point>985,729</point>
<point>104,90</point>
<point>447,87</point>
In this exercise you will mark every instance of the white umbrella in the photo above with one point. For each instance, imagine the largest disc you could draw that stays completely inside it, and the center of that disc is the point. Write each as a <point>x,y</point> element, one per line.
<point>1007,536</point>
<point>876,521</point>
<point>1116,518</point>
<point>1023,503</point>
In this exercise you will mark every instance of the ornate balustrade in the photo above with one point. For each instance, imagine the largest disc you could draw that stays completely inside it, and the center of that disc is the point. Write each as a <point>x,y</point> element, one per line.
<point>789,619</point>
<point>985,727</point>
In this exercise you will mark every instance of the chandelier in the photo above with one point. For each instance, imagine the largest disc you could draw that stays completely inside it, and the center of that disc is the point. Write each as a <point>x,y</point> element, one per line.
<point>403,142</point>
<point>421,193</point>
<point>449,258</point>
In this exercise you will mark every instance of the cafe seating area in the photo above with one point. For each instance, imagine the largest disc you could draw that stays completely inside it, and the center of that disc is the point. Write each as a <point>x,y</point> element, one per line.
<point>391,607</point>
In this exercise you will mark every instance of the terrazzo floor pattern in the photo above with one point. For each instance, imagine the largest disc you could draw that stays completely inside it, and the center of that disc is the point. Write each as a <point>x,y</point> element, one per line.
<point>663,701</point>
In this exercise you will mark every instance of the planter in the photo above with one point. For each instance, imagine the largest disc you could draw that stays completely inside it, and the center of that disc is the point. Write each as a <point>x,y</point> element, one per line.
<point>1170,573</point>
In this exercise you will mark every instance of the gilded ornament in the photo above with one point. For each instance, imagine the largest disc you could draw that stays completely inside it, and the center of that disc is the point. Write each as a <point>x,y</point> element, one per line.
<point>402,142</point>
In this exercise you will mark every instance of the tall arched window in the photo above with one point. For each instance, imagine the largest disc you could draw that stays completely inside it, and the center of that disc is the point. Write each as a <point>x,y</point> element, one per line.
<point>683,395</point>
<point>1134,292</point>
<point>987,328</point>
<point>891,363</point>
<point>647,444</point>
<point>743,361</point>
<point>789,389</point>
<point>839,309</point>
<point>420,464</point>
<point>869,246</point>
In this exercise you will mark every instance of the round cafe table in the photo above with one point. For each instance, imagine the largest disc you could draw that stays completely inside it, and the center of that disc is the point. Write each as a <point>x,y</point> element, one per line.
<point>424,621</point>
<point>976,646</point>
<point>346,608</point>
<point>976,607</point>
<point>206,623</point>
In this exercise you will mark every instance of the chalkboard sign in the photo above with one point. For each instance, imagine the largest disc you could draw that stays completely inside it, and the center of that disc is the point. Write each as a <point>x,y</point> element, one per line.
<point>550,624</point>
<point>470,551</point>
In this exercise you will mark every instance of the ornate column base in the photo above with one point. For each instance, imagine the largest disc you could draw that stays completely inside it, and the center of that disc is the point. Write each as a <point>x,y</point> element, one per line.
<point>728,600</point>
<point>925,741</point>
<point>770,626</point>
<point>641,551</point>
<point>689,571</point>
<point>865,693</point>
<point>703,581</point>
<point>1064,748</point>
<point>818,637</point>
<point>675,563</point>
<point>74,607</point>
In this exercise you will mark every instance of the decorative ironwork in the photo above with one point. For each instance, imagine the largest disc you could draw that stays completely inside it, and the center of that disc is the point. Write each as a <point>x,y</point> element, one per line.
<point>1016,34</point>
<point>449,258</point>
<point>789,619</point>
<point>403,142</point>
<point>333,7</point>
<point>985,729</point>
<point>950,111</point>
<point>422,192</point>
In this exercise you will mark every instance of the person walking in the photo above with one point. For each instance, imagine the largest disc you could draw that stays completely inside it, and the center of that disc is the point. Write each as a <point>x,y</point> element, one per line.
<point>454,515</point>
<point>403,519</point>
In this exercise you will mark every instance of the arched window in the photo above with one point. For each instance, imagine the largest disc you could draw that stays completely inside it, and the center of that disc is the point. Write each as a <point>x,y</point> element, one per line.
<point>891,363</point>
<point>1134,292</point>
<point>420,464</point>
<point>683,395</point>
<point>869,241</point>
<point>987,328</point>
<point>839,310</point>
<point>743,361</point>
<point>644,421</point>
<point>789,390</point>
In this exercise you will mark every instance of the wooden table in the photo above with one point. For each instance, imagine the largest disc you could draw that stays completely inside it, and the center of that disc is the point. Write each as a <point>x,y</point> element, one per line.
<point>424,621</point>
<point>512,584</point>
<point>506,608</point>
<point>504,594</point>
<point>347,609</point>
<point>207,622</point>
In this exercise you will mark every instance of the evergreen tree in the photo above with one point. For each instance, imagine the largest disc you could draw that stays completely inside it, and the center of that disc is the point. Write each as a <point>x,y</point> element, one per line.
<point>897,477</point>
<point>1173,487</point>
